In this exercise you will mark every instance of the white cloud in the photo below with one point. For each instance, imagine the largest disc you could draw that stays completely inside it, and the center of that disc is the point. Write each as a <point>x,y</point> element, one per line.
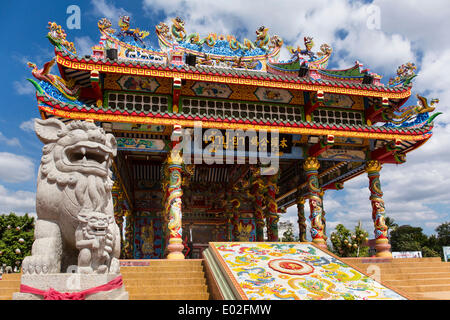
<point>292,20</point>
<point>106,9</point>
<point>15,168</point>
<point>28,125</point>
<point>20,202</point>
<point>84,45</point>
<point>12,142</point>
<point>23,87</point>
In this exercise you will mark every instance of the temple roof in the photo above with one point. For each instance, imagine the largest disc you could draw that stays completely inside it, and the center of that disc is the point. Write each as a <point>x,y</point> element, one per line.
<point>55,104</point>
<point>72,61</point>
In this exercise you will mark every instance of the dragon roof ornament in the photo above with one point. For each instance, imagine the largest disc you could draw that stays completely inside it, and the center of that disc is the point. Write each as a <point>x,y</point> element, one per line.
<point>314,60</point>
<point>57,37</point>
<point>415,116</point>
<point>405,73</point>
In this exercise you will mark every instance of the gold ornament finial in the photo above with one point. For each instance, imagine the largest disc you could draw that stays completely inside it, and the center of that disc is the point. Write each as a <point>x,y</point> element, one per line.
<point>311,163</point>
<point>373,166</point>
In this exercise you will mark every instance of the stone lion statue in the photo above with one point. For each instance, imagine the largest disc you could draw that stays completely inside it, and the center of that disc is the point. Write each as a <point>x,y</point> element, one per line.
<point>73,200</point>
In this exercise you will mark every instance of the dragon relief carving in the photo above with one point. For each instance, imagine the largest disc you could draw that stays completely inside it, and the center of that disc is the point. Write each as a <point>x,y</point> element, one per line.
<point>75,224</point>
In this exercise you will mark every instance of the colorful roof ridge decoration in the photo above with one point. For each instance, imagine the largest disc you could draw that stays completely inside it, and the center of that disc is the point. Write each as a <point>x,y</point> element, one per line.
<point>221,55</point>
<point>415,116</point>
<point>355,73</point>
<point>302,57</point>
<point>67,89</point>
<point>405,73</point>
<point>149,68</point>
<point>217,49</point>
<point>57,37</point>
<point>134,48</point>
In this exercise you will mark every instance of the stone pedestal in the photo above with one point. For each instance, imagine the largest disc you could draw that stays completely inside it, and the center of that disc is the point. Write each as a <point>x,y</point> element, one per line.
<point>71,282</point>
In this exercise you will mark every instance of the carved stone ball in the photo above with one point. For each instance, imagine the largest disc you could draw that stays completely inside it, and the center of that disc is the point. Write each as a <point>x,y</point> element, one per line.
<point>17,251</point>
<point>21,240</point>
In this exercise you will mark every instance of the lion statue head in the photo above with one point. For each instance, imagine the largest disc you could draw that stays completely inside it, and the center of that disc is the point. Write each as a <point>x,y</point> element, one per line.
<point>76,163</point>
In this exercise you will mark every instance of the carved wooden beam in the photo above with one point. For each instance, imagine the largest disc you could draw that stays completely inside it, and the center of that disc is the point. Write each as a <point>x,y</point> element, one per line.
<point>310,107</point>
<point>373,113</point>
<point>389,153</point>
<point>321,146</point>
<point>334,186</point>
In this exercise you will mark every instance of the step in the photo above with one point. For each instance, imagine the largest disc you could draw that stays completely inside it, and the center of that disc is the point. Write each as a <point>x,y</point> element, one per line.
<point>5,297</point>
<point>9,283</point>
<point>162,261</point>
<point>407,269</point>
<point>167,289</point>
<point>402,265</point>
<point>11,276</point>
<point>162,275</point>
<point>187,268</point>
<point>415,282</point>
<point>8,291</point>
<point>389,260</point>
<point>385,276</point>
<point>164,281</point>
<point>191,296</point>
<point>424,288</point>
<point>432,295</point>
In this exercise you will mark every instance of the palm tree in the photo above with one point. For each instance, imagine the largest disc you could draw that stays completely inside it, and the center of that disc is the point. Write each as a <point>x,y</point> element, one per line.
<point>390,223</point>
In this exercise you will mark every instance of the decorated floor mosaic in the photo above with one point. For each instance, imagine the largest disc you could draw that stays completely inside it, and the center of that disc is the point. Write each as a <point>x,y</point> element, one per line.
<point>294,271</point>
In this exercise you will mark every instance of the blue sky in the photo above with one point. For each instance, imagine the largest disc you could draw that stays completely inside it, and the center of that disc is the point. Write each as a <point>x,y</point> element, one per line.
<point>381,34</point>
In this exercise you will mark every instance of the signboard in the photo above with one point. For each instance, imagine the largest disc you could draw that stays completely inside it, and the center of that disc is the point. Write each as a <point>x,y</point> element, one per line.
<point>407,254</point>
<point>238,140</point>
<point>446,253</point>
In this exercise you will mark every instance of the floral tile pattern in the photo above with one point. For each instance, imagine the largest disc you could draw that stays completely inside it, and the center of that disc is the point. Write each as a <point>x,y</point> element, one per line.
<point>295,271</point>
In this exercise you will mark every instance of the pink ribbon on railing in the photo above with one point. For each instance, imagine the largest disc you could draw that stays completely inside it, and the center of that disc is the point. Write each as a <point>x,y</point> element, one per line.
<point>52,294</point>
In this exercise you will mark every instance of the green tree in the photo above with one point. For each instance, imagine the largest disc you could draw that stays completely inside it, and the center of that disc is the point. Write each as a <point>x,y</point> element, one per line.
<point>390,223</point>
<point>16,238</point>
<point>443,234</point>
<point>349,244</point>
<point>408,238</point>
<point>288,235</point>
<point>441,239</point>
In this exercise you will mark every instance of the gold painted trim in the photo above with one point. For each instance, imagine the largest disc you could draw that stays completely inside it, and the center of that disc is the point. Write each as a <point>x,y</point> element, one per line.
<point>223,125</point>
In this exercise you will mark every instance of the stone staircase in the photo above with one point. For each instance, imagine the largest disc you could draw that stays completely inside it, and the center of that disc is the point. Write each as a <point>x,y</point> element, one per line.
<point>424,279</point>
<point>160,280</point>
<point>9,284</point>
<point>166,280</point>
<point>419,278</point>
